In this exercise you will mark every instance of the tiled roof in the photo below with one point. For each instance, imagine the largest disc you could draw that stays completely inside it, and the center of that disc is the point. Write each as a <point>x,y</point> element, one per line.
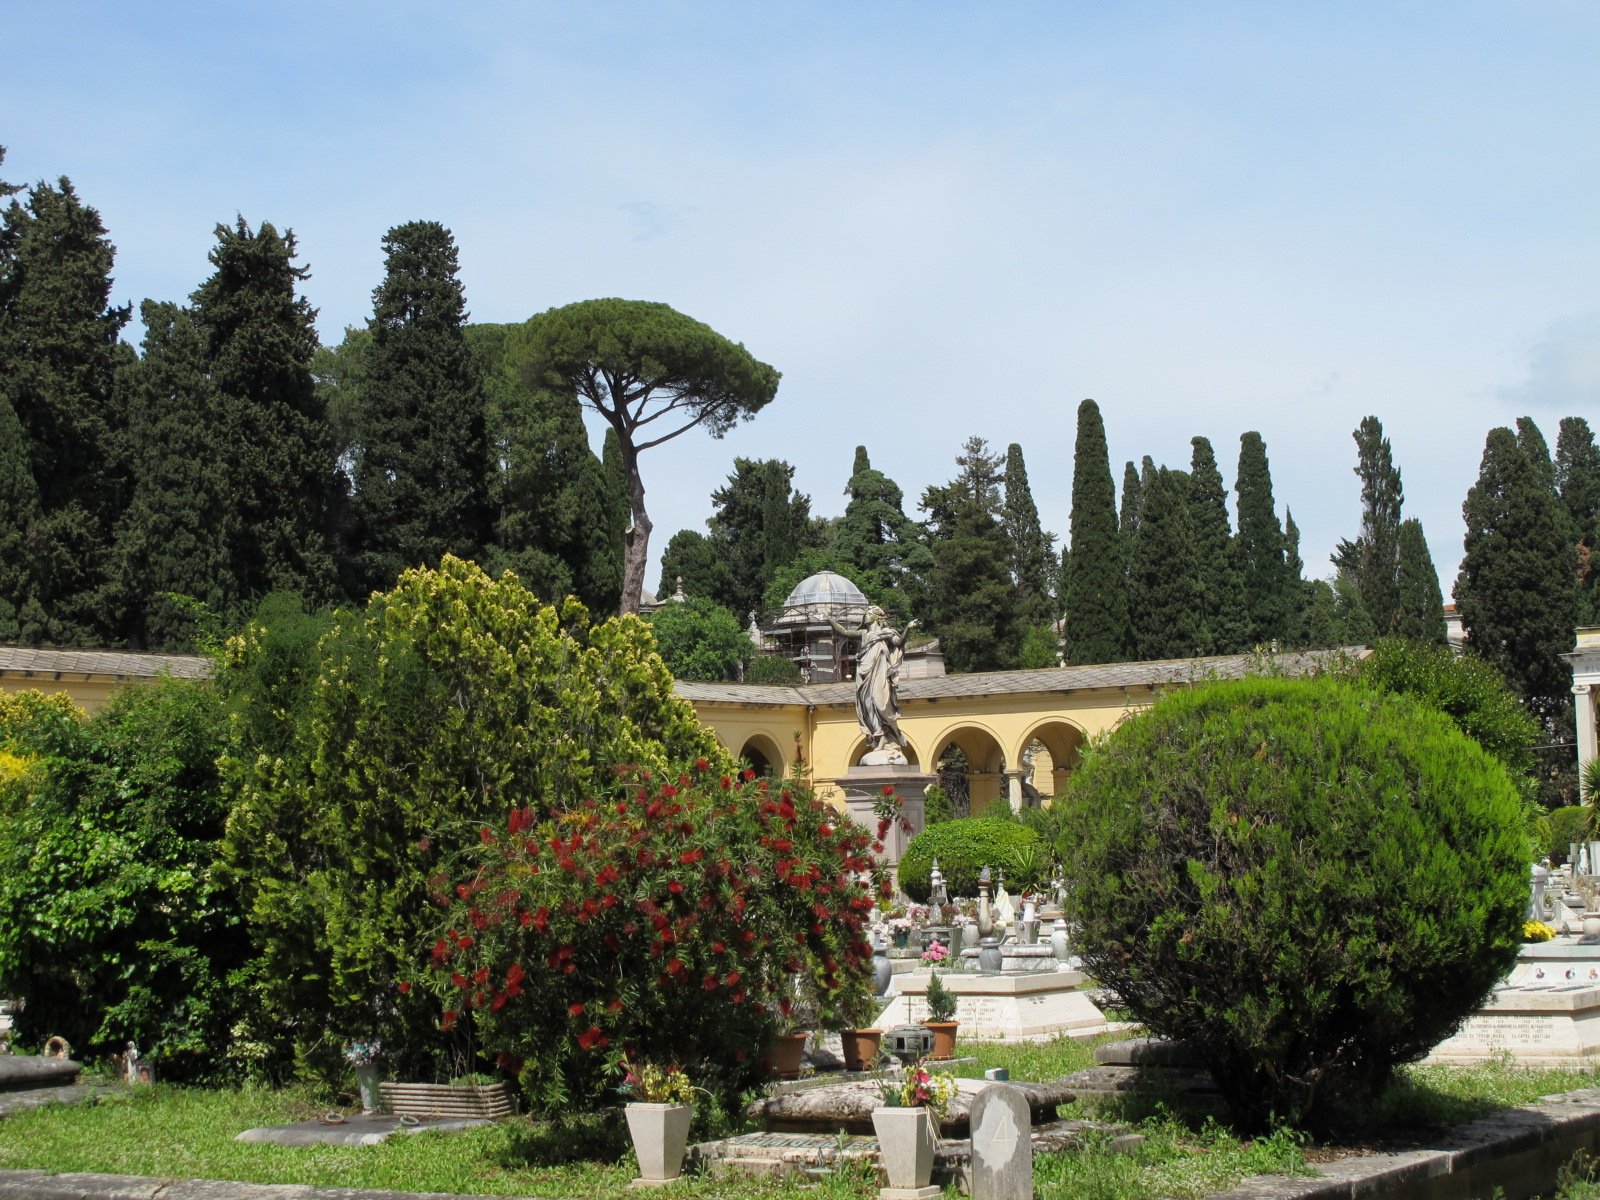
<point>1012,683</point>
<point>29,660</point>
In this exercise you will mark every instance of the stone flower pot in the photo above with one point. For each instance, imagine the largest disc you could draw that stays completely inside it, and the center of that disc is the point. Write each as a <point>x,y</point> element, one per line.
<point>660,1135</point>
<point>905,1145</point>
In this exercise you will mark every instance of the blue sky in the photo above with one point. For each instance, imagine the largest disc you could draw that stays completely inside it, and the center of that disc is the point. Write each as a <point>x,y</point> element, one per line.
<point>935,219</point>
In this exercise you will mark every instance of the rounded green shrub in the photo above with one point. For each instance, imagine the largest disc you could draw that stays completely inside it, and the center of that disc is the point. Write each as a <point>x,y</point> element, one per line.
<point>964,847</point>
<point>1308,881</point>
<point>1566,825</point>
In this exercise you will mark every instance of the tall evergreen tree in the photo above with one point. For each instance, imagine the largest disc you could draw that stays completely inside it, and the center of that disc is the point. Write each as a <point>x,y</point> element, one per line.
<point>277,458</point>
<point>1128,520</point>
<point>1031,553</point>
<point>59,354</point>
<point>1516,592</point>
<point>558,515</point>
<point>1577,480</point>
<point>1096,592</point>
<point>1373,557</point>
<point>1259,547</point>
<point>1164,576</point>
<point>1220,595</point>
<point>22,617</point>
<point>1294,569</point>
<point>420,465</point>
<point>1537,451</point>
<point>1421,601</point>
<point>758,524</point>
<point>173,540</point>
<point>879,547</point>
<point>971,602</point>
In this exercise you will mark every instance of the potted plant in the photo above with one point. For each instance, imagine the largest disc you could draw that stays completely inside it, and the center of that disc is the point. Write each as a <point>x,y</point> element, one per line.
<point>907,1125</point>
<point>798,1013</point>
<point>363,1057</point>
<point>659,1110</point>
<point>941,1020</point>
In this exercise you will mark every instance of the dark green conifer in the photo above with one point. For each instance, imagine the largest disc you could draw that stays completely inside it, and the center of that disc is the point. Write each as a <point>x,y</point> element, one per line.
<point>420,464</point>
<point>1128,518</point>
<point>277,457</point>
<point>1517,592</point>
<point>1537,450</point>
<point>1259,547</point>
<point>1294,568</point>
<point>1421,601</point>
<point>1577,480</point>
<point>1031,553</point>
<point>1096,593</point>
<point>1220,599</point>
<point>971,603</point>
<point>1372,559</point>
<point>59,355</point>
<point>877,545</point>
<point>21,616</point>
<point>1164,578</point>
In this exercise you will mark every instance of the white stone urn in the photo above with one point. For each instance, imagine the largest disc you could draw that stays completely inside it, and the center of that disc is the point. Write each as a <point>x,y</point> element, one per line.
<point>905,1145</point>
<point>660,1135</point>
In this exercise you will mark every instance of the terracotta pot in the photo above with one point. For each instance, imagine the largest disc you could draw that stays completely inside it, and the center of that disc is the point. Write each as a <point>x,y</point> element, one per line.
<point>944,1038</point>
<point>783,1057</point>
<point>861,1048</point>
<point>660,1133</point>
<point>905,1145</point>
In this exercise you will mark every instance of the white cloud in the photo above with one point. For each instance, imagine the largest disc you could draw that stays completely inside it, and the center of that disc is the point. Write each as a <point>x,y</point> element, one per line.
<point>1563,368</point>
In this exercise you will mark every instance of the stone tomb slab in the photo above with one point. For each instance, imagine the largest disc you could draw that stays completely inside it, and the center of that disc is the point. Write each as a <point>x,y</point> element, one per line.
<point>848,1106</point>
<point>1531,1021</point>
<point>24,1072</point>
<point>1002,1145</point>
<point>1008,1008</point>
<point>364,1130</point>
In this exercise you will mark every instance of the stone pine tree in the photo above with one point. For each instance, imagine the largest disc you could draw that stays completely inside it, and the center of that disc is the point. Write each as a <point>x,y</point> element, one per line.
<point>877,545</point>
<point>1516,591</point>
<point>1577,480</point>
<point>1096,607</point>
<point>1031,553</point>
<point>652,374</point>
<point>557,520</point>
<point>277,457</point>
<point>1421,601</point>
<point>1220,596</point>
<point>420,464</point>
<point>1164,577</point>
<point>1372,558</point>
<point>173,541</point>
<point>1259,547</point>
<point>971,603</point>
<point>59,355</point>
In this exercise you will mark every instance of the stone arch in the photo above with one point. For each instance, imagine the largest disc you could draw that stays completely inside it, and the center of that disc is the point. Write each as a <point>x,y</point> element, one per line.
<point>764,755</point>
<point>1063,743</point>
<point>985,755</point>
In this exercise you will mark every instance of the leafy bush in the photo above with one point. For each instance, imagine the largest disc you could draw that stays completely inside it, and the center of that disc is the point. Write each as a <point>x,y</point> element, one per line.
<point>1566,825</point>
<point>667,925</point>
<point>699,639</point>
<point>773,669</point>
<point>963,847</point>
<point>452,697</point>
<point>1310,882</point>
<point>113,924</point>
<point>937,807</point>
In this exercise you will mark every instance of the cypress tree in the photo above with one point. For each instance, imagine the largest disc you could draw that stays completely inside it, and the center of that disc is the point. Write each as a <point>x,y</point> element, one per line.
<point>758,524</point>
<point>1516,592</point>
<point>1577,480</point>
<point>1352,625</point>
<point>59,355</point>
<point>878,546</point>
<point>1537,451</point>
<point>1294,568</point>
<point>1259,547</point>
<point>420,466</point>
<point>1164,575</point>
<point>277,457</point>
<point>1030,549</point>
<point>22,618</point>
<point>1128,520</point>
<point>971,602</point>
<point>173,541</point>
<point>1373,558</point>
<point>1421,601</point>
<point>1096,593</point>
<point>1220,597</point>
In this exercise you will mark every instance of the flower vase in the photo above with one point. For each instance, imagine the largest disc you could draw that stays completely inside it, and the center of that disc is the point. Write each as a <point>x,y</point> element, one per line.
<point>367,1077</point>
<point>905,1145</point>
<point>660,1133</point>
<point>902,938</point>
<point>969,937</point>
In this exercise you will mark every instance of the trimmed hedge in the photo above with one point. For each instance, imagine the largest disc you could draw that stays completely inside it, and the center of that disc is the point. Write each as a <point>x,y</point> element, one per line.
<point>964,847</point>
<point>1310,882</point>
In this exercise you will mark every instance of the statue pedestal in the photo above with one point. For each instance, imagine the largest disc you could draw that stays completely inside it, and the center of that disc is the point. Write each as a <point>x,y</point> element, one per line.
<point>863,787</point>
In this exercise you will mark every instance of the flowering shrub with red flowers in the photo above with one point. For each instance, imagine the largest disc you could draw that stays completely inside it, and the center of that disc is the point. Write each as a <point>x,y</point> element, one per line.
<point>668,922</point>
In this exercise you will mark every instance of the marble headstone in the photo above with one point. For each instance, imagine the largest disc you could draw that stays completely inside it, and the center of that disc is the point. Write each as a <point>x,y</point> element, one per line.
<point>1002,1145</point>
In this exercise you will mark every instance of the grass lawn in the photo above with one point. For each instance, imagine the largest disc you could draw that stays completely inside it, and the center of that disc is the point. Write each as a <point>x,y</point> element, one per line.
<point>171,1131</point>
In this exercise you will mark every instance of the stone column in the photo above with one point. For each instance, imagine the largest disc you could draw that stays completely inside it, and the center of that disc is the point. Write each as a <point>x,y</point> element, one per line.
<point>1583,706</point>
<point>1013,778</point>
